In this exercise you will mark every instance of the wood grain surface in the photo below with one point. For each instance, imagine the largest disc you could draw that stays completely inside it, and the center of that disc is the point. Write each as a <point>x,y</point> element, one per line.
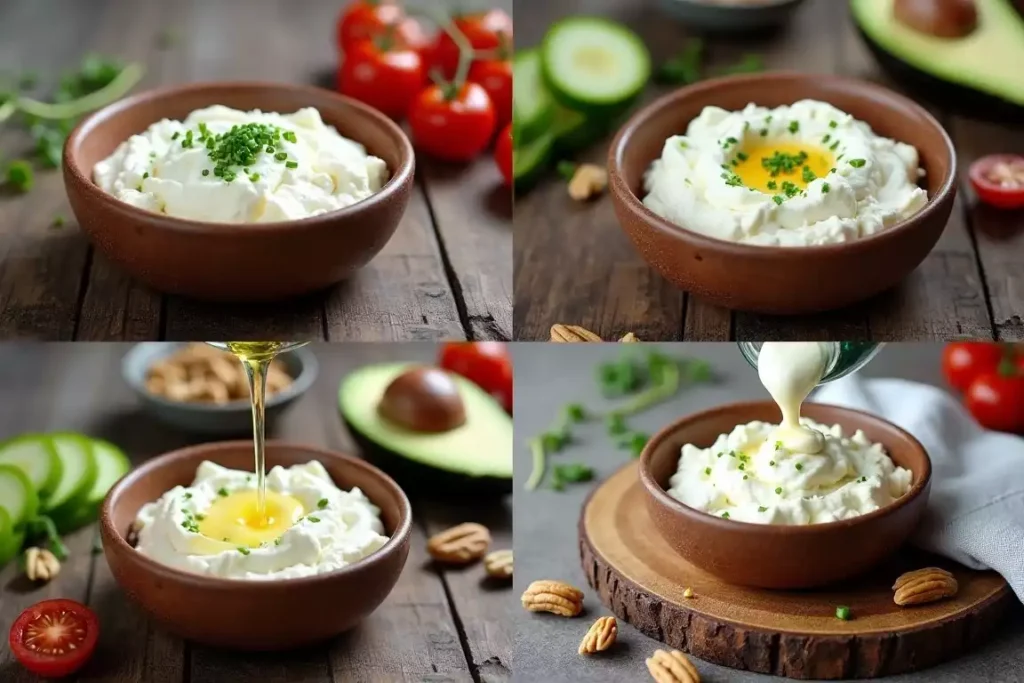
<point>787,633</point>
<point>574,265</point>
<point>437,625</point>
<point>446,274</point>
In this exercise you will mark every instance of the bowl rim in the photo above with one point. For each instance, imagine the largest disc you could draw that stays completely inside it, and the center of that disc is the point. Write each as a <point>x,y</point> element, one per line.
<point>623,138</point>
<point>661,495</point>
<point>309,369</point>
<point>400,536</point>
<point>399,177</point>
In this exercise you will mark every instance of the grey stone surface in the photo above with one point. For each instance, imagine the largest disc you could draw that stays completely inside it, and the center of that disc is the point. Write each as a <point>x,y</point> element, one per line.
<point>550,375</point>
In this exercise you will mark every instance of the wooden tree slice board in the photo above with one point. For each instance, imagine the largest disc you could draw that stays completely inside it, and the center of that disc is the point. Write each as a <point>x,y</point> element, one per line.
<point>786,633</point>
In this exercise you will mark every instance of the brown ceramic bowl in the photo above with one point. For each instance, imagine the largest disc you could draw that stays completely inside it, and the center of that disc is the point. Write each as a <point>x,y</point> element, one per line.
<point>244,614</point>
<point>777,556</point>
<point>230,262</point>
<point>784,280</point>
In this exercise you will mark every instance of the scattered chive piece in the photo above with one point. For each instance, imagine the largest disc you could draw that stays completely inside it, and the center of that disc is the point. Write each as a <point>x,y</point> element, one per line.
<point>825,139</point>
<point>616,423</point>
<point>808,174</point>
<point>277,541</point>
<point>200,517</point>
<point>834,145</point>
<point>772,185</point>
<point>145,175</point>
<point>707,471</point>
<point>636,443</point>
<point>732,454</point>
<point>778,490</point>
<point>832,124</point>
<point>244,550</point>
<point>824,188</point>
<point>762,508</point>
<point>745,477</point>
<point>843,612</point>
<point>188,495</point>
<point>777,199</point>
<point>569,474</point>
<point>222,492</point>
<point>857,163</point>
<point>254,178</point>
<point>764,132</point>
<point>175,136</point>
<point>575,412</point>
<point>206,171</point>
<point>799,467</point>
<point>292,164</point>
<point>794,126</point>
<point>289,136</point>
<point>778,445</point>
<point>725,515</point>
<point>322,503</point>
<point>741,156</point>
<point>772,463</point>
<point>313,519</point>
<point>19,175</point>
<point>742,466</point>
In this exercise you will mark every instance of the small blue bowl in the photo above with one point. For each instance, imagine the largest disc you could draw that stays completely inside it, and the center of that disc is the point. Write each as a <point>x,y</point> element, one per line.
<point>716,17</point>
<point>228,419</point>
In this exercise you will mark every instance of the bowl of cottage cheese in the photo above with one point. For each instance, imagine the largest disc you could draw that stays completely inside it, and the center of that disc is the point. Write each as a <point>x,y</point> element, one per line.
<point>783,192</point>
<point>183,538</point>
<point>239,191</point>
<point>753,508</point>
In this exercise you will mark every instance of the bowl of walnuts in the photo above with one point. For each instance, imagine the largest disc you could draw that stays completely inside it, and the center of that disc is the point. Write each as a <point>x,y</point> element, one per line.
<point>204,390</point>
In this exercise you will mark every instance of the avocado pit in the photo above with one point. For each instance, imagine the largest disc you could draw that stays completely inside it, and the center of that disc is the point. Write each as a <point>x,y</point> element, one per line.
<point>939,18</point>
<point>424,400</point>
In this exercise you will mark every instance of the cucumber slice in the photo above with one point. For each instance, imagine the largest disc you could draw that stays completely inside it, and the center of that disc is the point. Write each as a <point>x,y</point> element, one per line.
<point>34,455</point>
<point>111,465</point>
<point>531,160</point>
<point>11,539</point>
<point>533,108</point>
<point>594,64</point>
<point>77,477</point>
<point>574,131</point>
<point>17,495</point>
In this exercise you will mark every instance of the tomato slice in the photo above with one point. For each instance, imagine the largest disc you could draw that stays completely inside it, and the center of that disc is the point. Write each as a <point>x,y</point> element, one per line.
<point>486,364</point>
<point>998,180</point>
<point>54,638</point>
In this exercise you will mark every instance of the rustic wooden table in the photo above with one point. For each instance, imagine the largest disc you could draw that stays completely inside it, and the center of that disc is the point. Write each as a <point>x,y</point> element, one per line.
<point>573,264</point>
<point>435,626</point>
<point>447,273</point>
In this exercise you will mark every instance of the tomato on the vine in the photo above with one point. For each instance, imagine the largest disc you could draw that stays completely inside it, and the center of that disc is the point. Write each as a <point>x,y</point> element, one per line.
<point>365,19</point>
<point>503,154</point>
<point>996,399</point>
<point>998,179</point>
<point>54,638</point>
<point>490,30</point>
<point>496,78</point>
<point>383,75</point>
<point>962,362</point>
<point>486,364</point>
<point>452,122</point>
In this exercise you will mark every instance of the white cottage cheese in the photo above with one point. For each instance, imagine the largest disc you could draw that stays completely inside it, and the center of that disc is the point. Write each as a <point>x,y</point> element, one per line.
<point>747,476</point>
<point>157,171</point>
<point>336,527</point>
<point>712,180</point>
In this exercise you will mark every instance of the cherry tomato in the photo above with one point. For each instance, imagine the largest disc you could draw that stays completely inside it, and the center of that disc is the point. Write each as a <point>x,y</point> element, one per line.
<point>996,400</point>
<point>486,364</point>
<point>385,77</point>
<point>496,78</point>
<point>962,362</point>
<point>503,154</point>
<point>999,180</point>
<point>54,638</point>
<point>491,30</point>
<point>365,19</point>
<point>455,128</point>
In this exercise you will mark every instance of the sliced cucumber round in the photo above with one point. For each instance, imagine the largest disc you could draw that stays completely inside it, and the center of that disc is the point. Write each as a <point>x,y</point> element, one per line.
<point>533,108</point>
<point>590,63</point>
<point>111,465</point>
<point>531,160</point>
<point>17,495</point>
<point>11,539</point>
<point>78,474</point>
<point>34,455</point>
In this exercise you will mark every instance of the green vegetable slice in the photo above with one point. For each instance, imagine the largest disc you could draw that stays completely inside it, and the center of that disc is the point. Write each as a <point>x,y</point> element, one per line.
<point>34,455</point>
<point>78,474</point>
<point>111,465</point>
<point>17,495</point>
<point>593,63</point>
<point>530,160</point>
<point>533,108</point>
<point>10,539</point>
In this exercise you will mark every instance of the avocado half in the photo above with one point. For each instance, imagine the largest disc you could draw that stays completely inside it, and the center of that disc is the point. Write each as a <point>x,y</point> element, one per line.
<point>980,74</point>
<point>474,459</point>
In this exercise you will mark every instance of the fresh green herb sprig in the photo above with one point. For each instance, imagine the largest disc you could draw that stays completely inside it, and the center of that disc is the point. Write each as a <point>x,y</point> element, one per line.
<point>43,527</point>
<point>685,67</point>
<point>750,63</point>
<point>566,169</point>
<point>570,473</point>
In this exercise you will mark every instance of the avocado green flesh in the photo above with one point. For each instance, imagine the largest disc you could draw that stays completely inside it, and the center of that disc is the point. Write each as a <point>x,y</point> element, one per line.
<point>988,60</point>
<point>482,447</point>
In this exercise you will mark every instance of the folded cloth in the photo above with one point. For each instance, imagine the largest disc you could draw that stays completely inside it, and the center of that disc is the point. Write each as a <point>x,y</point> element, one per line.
<point>976,509</point>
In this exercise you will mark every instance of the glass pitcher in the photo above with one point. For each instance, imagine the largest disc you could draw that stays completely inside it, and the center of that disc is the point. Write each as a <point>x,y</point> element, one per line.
<point>843,357</point>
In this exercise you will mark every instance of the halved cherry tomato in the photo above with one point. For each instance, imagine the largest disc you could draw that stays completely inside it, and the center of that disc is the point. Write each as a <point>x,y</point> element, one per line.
<point>365,19</point>
<point>54,638</point>
<point>382,75</point>
<point>996,399</point>
<point>491,30</point>
<point>486,364</point>
<point>503,153</point>
<point>454,124</point>
<point>496,78</point>
<point>999,180</point>
<point>962,362</point>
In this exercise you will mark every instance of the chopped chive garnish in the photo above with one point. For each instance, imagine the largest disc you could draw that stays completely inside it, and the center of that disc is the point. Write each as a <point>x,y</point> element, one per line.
<point>188,495</point>
<point>824,188</point>
<point>707,470</point>
<point>778,490</point>
<point>762,508</point>
<point>834,145</point>
<point>741,156</point>
<point>292,164</point>
<point>832,124</point>
<point>857,163</point>
<point>725,515</point>
<point>771,463</point>
<point>322,503</point>
<point>825,139</point>
<point>777,199</point>
<point>244,550</point>
<point>794,126</point>
<point>764,132</point>
<point>313,519</point>
<point>799,467</point>
<point>222,492</point>
<point>206,171</point>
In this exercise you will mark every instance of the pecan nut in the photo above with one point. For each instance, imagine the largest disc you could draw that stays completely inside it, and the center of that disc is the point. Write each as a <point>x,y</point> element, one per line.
<point>556,597</point>
<point>924,585</point>
<point>461,544</point>
<point>600,637</point>
<point>41,564</point>
<point>572,334</point>
<point>498,564</point>
<point>672,667</point>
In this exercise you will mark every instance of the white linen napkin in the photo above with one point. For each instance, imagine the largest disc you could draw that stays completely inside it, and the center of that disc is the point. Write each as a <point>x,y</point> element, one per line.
<point>976,508</point>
